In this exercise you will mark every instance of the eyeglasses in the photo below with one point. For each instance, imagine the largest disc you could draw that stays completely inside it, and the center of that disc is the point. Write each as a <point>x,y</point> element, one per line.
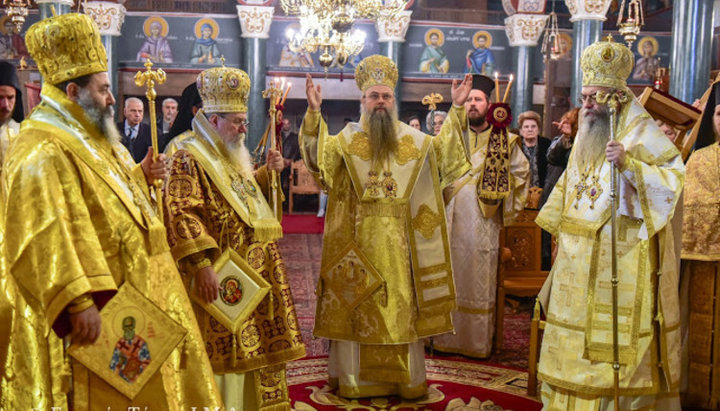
<point>585,98</point>
<point>237,122</point>
<point>378,96</point>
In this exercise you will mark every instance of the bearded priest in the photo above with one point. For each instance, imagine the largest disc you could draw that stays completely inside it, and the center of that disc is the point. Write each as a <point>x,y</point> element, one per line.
<point>215,202</point>
<point>80,225</point>
<point>386,276</point>
<point>577,354</point>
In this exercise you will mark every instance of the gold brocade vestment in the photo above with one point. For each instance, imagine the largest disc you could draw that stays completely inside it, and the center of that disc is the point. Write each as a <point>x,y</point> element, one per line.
<point>701,276</point>
<point>386,275</point>
<point>77,220</point>
<point>577,349</point>
<point>211,207</point>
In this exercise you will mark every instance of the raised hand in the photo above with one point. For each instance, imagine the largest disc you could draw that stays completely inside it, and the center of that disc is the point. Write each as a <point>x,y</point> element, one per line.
<point>313,93</point>
<point>461,92</point>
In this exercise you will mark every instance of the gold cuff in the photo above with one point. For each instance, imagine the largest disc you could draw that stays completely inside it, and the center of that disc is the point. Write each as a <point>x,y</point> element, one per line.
<point>81,303</point>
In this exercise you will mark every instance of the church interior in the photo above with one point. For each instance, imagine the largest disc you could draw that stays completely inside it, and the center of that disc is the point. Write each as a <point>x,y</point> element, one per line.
<point>531,49</point>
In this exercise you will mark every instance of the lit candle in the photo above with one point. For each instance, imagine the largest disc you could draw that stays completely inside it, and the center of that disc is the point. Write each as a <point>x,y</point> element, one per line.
<point>497,88</point>
<point>507,89</point>
<point>287,90</point>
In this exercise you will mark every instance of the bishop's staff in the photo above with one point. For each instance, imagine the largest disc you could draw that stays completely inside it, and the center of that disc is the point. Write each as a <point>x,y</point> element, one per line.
<point>273,93</point>
<point>613,101</point>
<point>149,78</point>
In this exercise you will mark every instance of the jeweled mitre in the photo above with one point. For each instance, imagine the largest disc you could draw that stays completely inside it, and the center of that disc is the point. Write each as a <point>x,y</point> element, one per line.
<point>376,70</point>
<point>224,90</point>
<point>606,64</point>
<point>66,47</point>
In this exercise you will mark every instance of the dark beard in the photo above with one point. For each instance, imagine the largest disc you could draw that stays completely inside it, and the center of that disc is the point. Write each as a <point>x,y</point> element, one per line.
<point>382,130</point>
<point>100,117</point>
<point>476,121</point>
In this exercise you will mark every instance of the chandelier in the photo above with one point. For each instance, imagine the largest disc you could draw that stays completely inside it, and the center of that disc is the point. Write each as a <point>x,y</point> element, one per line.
<point>327,26</point>
<point>551,41</point>
<point>629,26</point>
<point>17,10</point>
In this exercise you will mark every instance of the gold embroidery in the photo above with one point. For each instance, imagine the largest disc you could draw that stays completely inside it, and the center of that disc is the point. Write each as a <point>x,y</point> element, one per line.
<point>389,185</point>
<point>407,150</point>
<point>373,184</point>
<point>426,220</point>
<point>360,146</point>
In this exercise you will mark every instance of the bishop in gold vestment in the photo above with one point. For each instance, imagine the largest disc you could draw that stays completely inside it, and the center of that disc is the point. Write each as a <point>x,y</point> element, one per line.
<point>474,221</point>
<point>386,276</point>
<point>576,359</point>
<point>701,262</point>
<point>80,226</point>
<point>214,204</point>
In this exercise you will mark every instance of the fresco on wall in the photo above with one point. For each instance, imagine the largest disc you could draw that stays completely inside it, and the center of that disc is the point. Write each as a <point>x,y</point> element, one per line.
<point>651,52</point>
<point>182,41</point>
<point>12,45</point>
<point>438,51</point>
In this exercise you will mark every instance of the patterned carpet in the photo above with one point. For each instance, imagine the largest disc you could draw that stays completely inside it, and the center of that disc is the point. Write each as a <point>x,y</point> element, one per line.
<point>302,253</point>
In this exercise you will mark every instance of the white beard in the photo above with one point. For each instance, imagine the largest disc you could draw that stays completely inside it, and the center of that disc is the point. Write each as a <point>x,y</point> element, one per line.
<point>240,156</point>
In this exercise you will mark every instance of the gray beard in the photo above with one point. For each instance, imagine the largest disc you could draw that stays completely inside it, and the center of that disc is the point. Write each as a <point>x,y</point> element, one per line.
<point>591,140</point>
<point>382,131</point>
<point>240,156</point>
<point>100,117</point>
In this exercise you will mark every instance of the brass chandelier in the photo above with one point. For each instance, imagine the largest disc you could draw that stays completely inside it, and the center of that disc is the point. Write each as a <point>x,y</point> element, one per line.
<point>327,26</point>
<point>17,10</point>
<point>629,25</point>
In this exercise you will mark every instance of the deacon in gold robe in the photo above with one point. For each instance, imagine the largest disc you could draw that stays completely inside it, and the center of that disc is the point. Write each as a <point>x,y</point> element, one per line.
<point>386,276</point>
<point>215,204</point>
<point>80,226</point>
<point>475,218</point>
<point>576,359</point>
<point>701,261</point>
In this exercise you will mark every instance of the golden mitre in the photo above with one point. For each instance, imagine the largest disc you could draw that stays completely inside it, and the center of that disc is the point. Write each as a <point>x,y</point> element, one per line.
<point>376,70</point>
<point>66,47</point>
<point>606,64</point>
<point>224,90</point>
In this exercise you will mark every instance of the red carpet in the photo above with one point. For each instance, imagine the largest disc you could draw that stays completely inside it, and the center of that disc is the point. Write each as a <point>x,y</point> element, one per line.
<point>452,385</point>
<point>302,224</point>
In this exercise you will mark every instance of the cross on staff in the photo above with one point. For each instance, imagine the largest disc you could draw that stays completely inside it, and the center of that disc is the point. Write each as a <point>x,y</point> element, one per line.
<point>149,78</point>
<point>432,100</point>
<point>273,93</point>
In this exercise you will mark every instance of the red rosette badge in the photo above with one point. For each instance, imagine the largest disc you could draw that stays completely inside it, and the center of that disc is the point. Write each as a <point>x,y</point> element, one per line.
<point>499,115</point>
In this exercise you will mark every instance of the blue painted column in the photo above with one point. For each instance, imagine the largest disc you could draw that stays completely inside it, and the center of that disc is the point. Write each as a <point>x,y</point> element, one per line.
<point>691,52</point>
<point>255,24</point>
<point>585,33</point>
<point>109,17</point>
<point>391,35</point>
<point>523,31</point>
<point>61,7</point>
<point>522,87</point>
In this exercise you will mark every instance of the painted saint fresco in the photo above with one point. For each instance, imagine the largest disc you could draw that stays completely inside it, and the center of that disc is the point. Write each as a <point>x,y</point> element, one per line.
<point>434,59</point>
<point>648,63</point>
<point>480,60</point>
<point>205,49</point>
<point>12,45</point>
<point>131,355</point>
<point>156,47</point>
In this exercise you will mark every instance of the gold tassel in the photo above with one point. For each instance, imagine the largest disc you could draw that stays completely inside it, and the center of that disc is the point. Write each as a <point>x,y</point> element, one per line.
<point>234,351</point>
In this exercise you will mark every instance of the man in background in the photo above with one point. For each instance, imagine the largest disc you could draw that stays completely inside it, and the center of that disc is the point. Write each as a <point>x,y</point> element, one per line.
<point>136,134</point>
<point>11,106</point>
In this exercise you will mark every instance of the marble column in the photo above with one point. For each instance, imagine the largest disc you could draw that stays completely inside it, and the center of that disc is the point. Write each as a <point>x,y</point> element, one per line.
<point>255,24</point>
<point>523,32</point>
<point>391,34</point>
<point>109,17</point>
<point>692,29</point>
<point>61,7</point>
<point>587,18</point>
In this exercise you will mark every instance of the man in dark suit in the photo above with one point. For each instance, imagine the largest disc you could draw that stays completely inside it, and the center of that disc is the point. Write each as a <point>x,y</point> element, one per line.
<point>164,123</point>
<point>136,134</point>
